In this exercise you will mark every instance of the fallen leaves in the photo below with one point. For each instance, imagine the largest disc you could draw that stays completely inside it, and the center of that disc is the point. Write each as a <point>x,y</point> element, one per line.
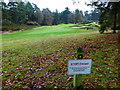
<point>50,69</point>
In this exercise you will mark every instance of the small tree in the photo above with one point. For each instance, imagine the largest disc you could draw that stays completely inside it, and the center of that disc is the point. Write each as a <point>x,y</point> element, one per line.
<point>108,7</point>
<point>71,18</point>
<point>47,17</point>
<point>30,11</point>
<point>22,16</point>
<point>12,6</point>
<point>56,17</point>
<point>39,16</point>
<point>78,16</point>
<point>64,15</point>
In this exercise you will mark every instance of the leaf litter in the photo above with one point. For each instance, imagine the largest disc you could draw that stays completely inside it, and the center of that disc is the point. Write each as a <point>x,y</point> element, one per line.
<point>50,70</point>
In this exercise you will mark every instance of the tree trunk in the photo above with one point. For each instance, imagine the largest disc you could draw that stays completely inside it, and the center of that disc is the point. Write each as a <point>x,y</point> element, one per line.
<point>115,17</point>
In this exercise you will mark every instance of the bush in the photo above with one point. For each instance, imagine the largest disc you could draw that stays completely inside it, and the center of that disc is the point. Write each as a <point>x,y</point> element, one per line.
<point>6,22</point>
<point>17,27</point>
<point>117,27</point>
<point>9,28</point>
<point>102,28</point>
<point>32,23</point>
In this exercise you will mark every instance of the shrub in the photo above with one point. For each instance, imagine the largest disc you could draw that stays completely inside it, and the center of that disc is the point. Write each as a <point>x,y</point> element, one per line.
<point>32,23</point>
<point>6,22</point>
<point>117,27</point>
<point>7,28</point>
<point>102,28</point>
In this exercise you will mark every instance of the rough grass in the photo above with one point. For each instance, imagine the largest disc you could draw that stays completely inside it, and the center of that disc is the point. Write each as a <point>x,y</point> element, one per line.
<point>38,58</point>
<point>16,27</point>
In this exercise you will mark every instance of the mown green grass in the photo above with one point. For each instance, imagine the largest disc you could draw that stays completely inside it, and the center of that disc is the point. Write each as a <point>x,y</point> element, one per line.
<point>53,46</point>
<point>24,37</point>
<point>36,40</point>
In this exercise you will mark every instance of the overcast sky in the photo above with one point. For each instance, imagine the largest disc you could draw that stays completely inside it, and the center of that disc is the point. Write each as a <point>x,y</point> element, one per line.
<point>60,4</point>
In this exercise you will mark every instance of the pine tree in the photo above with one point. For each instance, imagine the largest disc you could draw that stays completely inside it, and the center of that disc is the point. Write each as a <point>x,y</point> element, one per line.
<point>78,16</point>
<point>29,11</point>
<point>64,15</point>
<point>56,17</point>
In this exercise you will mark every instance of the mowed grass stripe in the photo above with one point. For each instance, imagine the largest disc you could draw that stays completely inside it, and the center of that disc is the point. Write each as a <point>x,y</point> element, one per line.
<point>26,37</point>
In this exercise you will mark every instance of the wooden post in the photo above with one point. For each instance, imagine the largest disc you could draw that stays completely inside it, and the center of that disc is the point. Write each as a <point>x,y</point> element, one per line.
<point>77,78</point>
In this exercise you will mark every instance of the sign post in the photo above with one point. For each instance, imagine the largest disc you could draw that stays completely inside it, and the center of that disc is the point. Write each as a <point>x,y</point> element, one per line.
<point>78,67</point>
<point>77,78</point>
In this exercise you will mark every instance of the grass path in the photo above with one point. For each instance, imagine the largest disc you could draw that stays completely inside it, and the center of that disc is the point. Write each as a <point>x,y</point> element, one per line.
<point>41,61</point>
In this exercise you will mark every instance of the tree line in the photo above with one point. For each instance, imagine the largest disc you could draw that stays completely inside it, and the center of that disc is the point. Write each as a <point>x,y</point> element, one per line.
<point>30,13</point>
<point>110,14</point>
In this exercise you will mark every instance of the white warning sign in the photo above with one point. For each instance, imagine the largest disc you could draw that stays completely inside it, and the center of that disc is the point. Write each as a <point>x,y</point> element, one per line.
<point>82,66</point>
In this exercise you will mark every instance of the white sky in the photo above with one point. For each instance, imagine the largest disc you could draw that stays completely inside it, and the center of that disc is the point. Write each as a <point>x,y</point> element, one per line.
<point>60,4</point>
